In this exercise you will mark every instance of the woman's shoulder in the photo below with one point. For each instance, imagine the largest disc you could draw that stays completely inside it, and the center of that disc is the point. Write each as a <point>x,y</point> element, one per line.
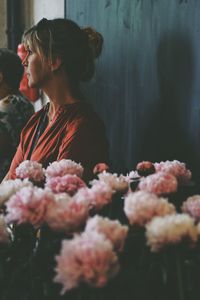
<point>84,114</point>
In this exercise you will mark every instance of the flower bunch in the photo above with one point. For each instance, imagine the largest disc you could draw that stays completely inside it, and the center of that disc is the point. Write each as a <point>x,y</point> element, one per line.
<point>86,258</point>
<point>67,183</point>
<point>63,167</point>
<point>31,170</point>
<point>100,194</point>
<point>114,231</point>
<point>29,205</point>
<point>115,182</point>
<point>132,175</point>
<point>10,187</point>
<point>192,207</point>
<point>97,196</point>
<point>170,230</point>
<point>176,168</point>
<point>66,215</point>
<point>145,168</point>
<point>100,167</point>
<point>159,183</point>
<point>140,207</point>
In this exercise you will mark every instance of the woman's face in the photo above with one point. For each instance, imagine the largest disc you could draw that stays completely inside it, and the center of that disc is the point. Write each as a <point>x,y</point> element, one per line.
<point>37,68</point>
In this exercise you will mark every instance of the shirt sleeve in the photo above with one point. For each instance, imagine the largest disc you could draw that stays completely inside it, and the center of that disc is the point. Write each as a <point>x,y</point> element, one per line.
<point>18,158</point>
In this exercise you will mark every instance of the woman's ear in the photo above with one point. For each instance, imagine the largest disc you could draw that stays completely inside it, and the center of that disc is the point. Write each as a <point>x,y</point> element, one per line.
<point>56,63</point>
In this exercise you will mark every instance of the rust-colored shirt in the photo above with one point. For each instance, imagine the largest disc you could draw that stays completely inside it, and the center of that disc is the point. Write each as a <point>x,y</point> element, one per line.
<point>76,133</point>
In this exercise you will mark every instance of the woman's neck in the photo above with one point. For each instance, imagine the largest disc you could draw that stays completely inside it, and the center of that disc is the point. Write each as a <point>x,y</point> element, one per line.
<point>60,92</point>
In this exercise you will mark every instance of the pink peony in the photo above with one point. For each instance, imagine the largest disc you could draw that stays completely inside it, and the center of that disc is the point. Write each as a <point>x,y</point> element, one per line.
<point>100,167</point>
<point>10,187</point>
<point>67,215</point>
<point>170,230</point>
<point>145,168</point>
<point>29,205</point>
<point>31,170</point>
<point>115,182</point>
<point>140,207</point>
<point>159,183</point>
<point>67,183</point>
<point>63,167</point>
<point>176,168</point>
<point>112,230</point>
<point>88,259</point>
<point>132,175</point>
<point>192,207</point>
<point>100,194</point>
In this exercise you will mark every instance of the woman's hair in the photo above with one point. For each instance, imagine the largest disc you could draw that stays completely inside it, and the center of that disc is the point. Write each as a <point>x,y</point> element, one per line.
<point>11,68</point>
<point>76,47</point>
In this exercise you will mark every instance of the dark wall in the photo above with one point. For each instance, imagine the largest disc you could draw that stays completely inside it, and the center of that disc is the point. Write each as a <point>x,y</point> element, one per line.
<point>147,82</point>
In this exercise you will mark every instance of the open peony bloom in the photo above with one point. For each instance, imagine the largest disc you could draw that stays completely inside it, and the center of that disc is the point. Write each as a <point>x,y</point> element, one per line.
<point>100,167</point>
<point>31,170</point>
<point>159,183</point>
<point>10,187</point>
<point>99,195</point>
<point>63,167</point>
<point>115,182</point>
<point>112,230</point>
<point>29,205</point>
<point>192,207</point>
<point>140,207</point>
<point>67,183</point>
<point>88,259</point>
<point>176,168</point>
<point>67,214</point>
<point>145,168</point>
<point>170,230</point>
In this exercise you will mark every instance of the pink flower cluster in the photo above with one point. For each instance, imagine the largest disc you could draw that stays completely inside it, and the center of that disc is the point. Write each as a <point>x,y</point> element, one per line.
<point>10,187</point>
<point>114,231</point>
<point>140,207</point>
<point>100,167</point>
<point>145,168</point>
<point>98,195</point>
<point>29,205</point>
<point>176,168</point>
<point>115,182</point>
<point>192,207</point>
<point>88,259</point>
<point>67,183</point>
<point>31,170</point>
<point>67,214</point>
<point>63,167</point>
<point>170,230</point>
<point>159,183</point>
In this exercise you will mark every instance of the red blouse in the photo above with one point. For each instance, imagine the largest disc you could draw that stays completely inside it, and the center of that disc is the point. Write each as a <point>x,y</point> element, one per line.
<point>76,133</point>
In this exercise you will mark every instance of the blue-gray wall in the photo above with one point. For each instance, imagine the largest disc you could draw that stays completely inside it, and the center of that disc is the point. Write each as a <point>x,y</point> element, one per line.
<point>147,82</point>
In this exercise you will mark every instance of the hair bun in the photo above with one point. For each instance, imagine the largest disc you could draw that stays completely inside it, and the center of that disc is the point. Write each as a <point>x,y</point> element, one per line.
<point>95,40</point>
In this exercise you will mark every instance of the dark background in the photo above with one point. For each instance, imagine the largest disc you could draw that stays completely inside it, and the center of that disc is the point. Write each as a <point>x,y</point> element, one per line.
<point>147,82</point>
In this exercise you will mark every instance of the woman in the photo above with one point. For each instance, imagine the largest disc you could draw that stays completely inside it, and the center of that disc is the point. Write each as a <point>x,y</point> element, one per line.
<point>15,110</point>
<point>59,56</point>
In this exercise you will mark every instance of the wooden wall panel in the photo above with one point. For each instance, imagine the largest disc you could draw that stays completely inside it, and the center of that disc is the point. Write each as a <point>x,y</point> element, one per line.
<point>147,82</point>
